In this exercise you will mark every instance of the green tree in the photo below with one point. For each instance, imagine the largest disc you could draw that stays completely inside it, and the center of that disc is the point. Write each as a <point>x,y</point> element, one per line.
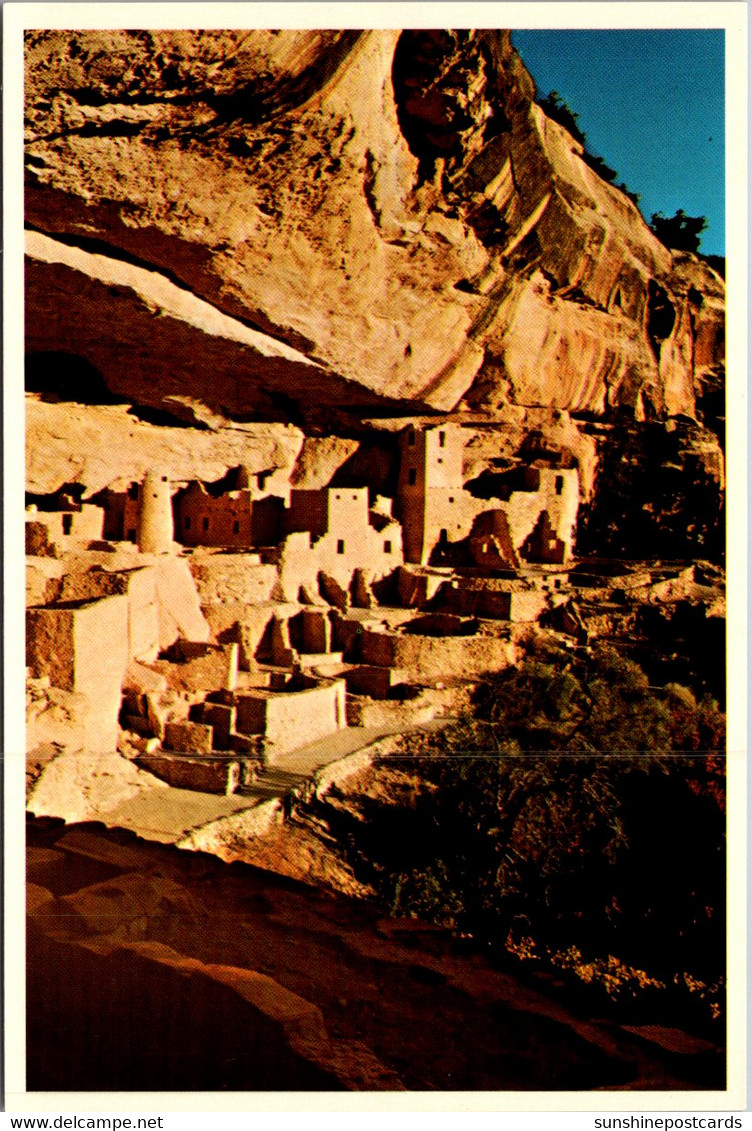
<point>680,231</point>
<point>557,108</point>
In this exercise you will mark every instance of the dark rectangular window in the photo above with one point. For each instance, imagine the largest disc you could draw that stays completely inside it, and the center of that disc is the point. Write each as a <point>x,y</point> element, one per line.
<point>559,484</point>
<point>387,547</point>
<point>411,439</point>
<point>412,476</point>
<point>131,536</point>
<point>187,522</point>
<point>205,524</point>
<point>67,523</point>
<point>442,439</point>
<point>340,546</point>
<point>236,527</point>
<point>133,491</point>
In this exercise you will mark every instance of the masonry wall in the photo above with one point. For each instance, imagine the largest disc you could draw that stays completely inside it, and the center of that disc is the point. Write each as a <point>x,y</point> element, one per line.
<point>209,775</point>
<point>139,586</point>
<point>202,520</point>
<point>307,511</point>
<point>428,659</point>
<point>101,645</point>
<point>267,520</point>
<point>436,510</point>
<point>342,538</point>
<point>415,588</point>
<point>512,605</point>
<point>347,548</point>
<point>156,525</point>
<point>346,507</point>
<point>291,719</point>
<point>297,565</point>
<point>233,579</point>
<point>555,493</point>
<point>338,554</point>
<point>49,645</point>
<point>84,648</point>
<point>43,580</point>
<point>180,614</point>
<point>449,517</point>
<point>251,713</point>
<point>121,514</point>
<point>316,631</point>
<point>491,542</point>
<point>63,527</point>
<point>297,718</point>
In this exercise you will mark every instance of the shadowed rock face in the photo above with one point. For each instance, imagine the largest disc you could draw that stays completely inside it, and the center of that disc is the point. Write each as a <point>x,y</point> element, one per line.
<point>155,969</point>
<point>361,218</point>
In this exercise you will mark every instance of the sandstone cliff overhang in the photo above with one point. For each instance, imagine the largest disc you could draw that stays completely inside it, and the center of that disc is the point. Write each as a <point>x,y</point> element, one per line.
<point>373,218</point>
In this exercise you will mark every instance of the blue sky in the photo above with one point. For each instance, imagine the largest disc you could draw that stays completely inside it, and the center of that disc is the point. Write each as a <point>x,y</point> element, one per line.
<point>651,104</point>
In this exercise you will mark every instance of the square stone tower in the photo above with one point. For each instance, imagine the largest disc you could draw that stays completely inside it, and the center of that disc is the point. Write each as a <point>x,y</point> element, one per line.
<point>430,489</point>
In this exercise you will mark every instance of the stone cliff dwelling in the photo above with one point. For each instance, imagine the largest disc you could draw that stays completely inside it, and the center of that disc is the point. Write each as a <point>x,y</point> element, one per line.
<point>240,620</point>
<point>211,630</point>
<point>535,520</point>
<point>330,524</point>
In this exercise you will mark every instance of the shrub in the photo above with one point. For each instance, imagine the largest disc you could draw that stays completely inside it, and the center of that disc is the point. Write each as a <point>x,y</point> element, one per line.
<point>680,232</point>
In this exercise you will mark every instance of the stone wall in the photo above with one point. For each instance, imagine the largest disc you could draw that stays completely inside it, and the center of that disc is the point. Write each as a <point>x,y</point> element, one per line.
<point>389,713</point>
<point>42,579</point>
<point>513,604</point>
<point>429,489</point>
<point>430,659</point>
<point>245,624</point>
<point>375,682</point>
<point>83,647</point>
<point>121,514</point>
<point>491,544</point>
<point>139,586</point>
<point>291,719</point>
<point>207,774</point>
<point>337,554</point>
<point>180,614</point>
<point>233,579</point>
<point>307,511</point>
<point>547,491</point>
<point>67,527</point>
<point>416,588</point>
<point>203,520</point>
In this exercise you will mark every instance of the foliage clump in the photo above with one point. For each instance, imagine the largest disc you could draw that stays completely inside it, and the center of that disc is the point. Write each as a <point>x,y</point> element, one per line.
<point>575,819</point>
<point>560,111</point>
<point>680,231</point>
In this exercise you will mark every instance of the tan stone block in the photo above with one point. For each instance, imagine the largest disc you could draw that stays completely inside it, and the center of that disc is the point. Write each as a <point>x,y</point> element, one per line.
<point>223,720</point>
<point>140,680</point>
<point>188,737</point>
<point>179,611</point>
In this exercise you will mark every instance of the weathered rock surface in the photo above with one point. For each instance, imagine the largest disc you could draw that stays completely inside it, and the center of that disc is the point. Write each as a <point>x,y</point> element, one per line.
<point>85,785</point>
<point>300,219</point>
<point>196,975</point>
<point>106,446</point>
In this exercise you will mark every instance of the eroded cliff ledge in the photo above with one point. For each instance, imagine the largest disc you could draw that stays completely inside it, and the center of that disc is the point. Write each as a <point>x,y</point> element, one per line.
<point>275,222</point>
